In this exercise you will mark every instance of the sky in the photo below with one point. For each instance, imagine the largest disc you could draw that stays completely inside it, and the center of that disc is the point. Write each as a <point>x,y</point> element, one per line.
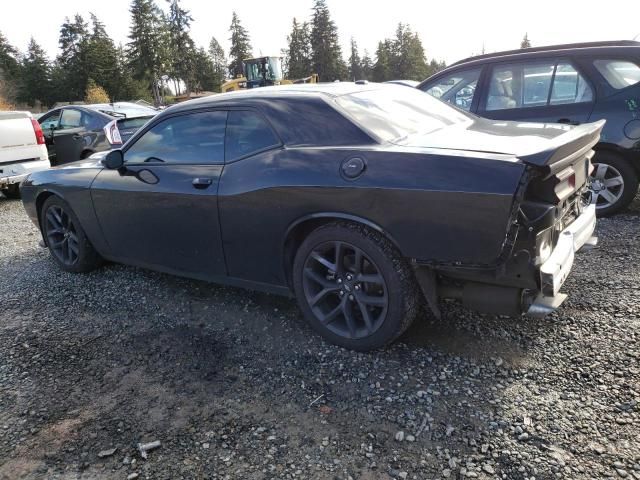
<point>449,31</point>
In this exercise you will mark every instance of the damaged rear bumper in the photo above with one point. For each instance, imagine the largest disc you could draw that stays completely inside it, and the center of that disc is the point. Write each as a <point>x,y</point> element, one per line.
<point>555,270</point>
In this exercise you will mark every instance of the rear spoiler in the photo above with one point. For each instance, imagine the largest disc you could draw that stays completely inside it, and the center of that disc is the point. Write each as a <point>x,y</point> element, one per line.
<point>565,149</point>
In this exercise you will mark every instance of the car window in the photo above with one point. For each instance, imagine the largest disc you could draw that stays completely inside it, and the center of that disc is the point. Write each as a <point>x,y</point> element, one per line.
<point>536,84</point>
<point>72,118</point>
<point>393,112</point>
<point>618,73</point>
<point>457,88</point>
<point>247,132</point>
<point>194,138</point>
<point>569,86</point>
<point>50,121</point>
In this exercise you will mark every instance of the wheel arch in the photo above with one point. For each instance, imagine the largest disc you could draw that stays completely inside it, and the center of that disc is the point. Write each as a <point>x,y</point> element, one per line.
<point>624,154</point>
<point>302,227</point>
<point>42,197</point>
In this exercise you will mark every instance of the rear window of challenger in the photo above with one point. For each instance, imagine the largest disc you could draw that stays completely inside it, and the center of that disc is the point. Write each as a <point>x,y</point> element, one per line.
<point>398,112</point>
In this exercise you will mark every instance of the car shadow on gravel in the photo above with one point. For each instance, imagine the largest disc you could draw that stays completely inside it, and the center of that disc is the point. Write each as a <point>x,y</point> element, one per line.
<point>235,383</point>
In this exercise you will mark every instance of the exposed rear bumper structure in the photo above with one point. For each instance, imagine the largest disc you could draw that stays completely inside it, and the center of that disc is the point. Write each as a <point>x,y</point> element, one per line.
<point>555,270</point>
<point>484,294</point>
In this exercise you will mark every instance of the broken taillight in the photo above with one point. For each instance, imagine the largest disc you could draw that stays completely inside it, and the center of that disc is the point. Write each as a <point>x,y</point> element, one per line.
<point>112,133</point>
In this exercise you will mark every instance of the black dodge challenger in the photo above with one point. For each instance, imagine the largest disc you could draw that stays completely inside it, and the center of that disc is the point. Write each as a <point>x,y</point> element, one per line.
<point>365,201</point>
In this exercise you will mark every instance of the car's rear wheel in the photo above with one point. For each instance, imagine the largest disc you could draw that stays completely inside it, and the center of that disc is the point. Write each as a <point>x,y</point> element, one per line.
<point>11,191</point>
<point>354,287</point>
<point>613,184</point>
<point>66,239</point>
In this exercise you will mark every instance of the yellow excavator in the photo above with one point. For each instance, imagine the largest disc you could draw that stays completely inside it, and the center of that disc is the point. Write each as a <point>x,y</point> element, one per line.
<point>263,72</point>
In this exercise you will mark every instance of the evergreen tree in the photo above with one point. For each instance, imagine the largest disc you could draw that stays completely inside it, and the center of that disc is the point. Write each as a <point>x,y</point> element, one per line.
<point>402,57</point>
<point>435,66</point>
<point>144,49</point>
<point>525,43</point>
<point>297,55</point>
<point>127,87</point>
<point>408,58</point>
<point>181,47</point>
<point>240,47</point>
<point>35,86</point>
<point>326,56</point>
<point>382,68</point>
<point>71,65</point>
<point>355,63</point>
<point>219,62</point>
<point>367,66</point>
<point>100,58</point>
<point>9,70</point>
<point>205,78</point>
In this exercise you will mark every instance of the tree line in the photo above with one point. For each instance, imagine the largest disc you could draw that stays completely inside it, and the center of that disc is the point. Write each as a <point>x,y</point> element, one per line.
<point>160,52</point>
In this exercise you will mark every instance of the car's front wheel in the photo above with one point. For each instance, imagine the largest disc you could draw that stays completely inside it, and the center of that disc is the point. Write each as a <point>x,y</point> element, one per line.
<point>354,287</point>
<point>613,184</point>
<point>66,239</point>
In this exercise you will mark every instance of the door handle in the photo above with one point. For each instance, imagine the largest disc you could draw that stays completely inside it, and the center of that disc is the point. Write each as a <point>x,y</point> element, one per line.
<point>568,121</point>
<point>202,182</point>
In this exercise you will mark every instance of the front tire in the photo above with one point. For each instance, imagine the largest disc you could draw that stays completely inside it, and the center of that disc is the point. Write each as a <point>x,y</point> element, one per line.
<point>614,183</point>
<point>354,287</point>
<point>66,239</point>
<point>11,191</point>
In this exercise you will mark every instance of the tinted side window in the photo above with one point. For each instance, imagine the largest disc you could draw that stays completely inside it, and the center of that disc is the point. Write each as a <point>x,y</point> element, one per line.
<point>618,73</point>
<point>194,138</point>
<point>536,84</point>
<point>569,86</point>
<point>457,88</point>
<point>248,132</point>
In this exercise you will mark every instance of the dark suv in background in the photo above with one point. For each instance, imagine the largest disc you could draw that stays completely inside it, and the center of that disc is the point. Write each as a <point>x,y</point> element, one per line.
<point>568,84</point>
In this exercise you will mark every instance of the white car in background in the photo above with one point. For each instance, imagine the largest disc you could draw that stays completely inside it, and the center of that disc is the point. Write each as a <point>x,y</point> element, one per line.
<point>22,150</point>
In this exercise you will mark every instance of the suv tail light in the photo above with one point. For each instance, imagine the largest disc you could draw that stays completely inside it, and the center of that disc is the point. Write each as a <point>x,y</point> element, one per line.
<point>112,133</point>
<point>37,129</point>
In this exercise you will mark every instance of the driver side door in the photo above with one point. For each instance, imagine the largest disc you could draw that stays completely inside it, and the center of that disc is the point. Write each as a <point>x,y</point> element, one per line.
<point>160,210</point>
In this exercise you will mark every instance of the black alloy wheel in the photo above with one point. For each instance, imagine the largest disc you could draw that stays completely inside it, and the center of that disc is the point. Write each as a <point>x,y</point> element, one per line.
<point>354,287</point>
<point>345,289</point>
<point>67,241</point>
<point>62,237</point>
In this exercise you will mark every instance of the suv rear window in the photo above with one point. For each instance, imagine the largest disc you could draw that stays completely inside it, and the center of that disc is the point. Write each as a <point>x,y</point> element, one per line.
<point>618,73</point>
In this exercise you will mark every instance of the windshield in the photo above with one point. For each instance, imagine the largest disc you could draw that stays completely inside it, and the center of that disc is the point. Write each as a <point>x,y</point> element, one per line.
<point>269,66</point>
<point>394,112</point>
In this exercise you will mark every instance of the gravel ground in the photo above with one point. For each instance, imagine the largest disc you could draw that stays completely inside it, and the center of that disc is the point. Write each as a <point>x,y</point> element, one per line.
<point>235,385</point>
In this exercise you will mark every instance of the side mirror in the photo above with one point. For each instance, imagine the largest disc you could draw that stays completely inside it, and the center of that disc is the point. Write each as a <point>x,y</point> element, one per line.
<point>114,160</point>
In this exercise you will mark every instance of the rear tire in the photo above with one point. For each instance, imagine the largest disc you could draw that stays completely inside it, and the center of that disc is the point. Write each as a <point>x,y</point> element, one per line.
<point>65,238</point>
<point>11,191</point>
<point>354,287</point>
<point>614,183</point>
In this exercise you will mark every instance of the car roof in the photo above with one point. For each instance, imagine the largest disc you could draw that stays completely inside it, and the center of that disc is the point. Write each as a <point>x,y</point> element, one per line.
<point>308,90</point>
<point>599,47</point>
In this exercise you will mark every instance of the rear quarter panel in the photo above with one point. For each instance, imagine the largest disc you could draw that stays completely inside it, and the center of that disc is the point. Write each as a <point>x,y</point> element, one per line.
<point>436,208</point>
